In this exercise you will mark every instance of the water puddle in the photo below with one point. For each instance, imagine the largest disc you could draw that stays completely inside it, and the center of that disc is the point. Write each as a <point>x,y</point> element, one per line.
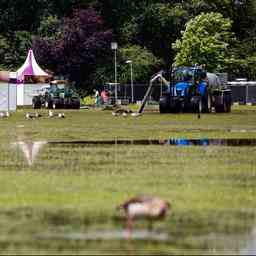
<point>109,235</point>
<point>172,141</point>
<point>31,149</point>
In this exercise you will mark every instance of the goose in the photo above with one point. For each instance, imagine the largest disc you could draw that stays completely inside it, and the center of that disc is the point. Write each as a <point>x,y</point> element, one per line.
<point>4,114</point>
<point>123,112</point>
<point>144,207</point>
<point>135,114</point>
<point>52,114</point>
<point>33,115</point>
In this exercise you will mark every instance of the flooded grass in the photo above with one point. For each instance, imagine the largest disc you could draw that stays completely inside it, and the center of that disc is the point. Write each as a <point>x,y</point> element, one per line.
<point>76,191</point>
<point>65,201</point>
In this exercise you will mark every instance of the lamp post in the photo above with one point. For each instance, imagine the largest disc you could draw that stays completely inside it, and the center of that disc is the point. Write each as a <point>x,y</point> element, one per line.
<point>114,47</point>
<point>130,62</point>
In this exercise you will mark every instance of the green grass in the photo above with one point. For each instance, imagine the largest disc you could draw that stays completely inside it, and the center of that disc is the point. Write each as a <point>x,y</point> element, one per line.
<point>74,190</point>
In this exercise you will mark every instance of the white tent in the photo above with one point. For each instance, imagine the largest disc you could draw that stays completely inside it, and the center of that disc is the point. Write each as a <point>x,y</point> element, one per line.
<point>30,68</point>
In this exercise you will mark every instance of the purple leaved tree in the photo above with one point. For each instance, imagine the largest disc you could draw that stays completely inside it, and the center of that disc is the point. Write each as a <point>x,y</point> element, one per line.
<point>82,45</point>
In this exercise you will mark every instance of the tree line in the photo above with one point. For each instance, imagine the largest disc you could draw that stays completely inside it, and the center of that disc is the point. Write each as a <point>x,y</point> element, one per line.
<point>72,38</point>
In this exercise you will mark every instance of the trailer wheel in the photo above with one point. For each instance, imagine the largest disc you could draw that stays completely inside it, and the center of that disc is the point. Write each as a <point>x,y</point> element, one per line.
<point>226,107</point>
<point>219,109</point>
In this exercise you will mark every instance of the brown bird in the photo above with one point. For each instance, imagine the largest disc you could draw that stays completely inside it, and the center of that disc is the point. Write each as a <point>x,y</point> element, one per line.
<point>144,207</point>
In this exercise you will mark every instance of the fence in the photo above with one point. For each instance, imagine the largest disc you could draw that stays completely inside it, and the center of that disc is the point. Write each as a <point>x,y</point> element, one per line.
<point>243,92</point>
<point>124,92</point>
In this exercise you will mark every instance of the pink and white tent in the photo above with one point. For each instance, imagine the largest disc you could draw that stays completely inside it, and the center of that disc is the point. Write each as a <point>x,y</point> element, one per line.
<point>30,68</point>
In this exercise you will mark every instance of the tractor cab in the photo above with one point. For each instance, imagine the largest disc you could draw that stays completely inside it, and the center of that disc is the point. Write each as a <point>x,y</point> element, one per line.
<point>188,81</point>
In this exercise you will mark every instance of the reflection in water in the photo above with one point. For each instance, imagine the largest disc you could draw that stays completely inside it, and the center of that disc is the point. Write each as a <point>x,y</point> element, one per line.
<point>171,141</point>
<point>109,235</point>
<point>30,149</point>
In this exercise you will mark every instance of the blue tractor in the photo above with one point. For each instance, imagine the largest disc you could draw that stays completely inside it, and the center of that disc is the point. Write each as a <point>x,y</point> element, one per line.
<point>192,89</point>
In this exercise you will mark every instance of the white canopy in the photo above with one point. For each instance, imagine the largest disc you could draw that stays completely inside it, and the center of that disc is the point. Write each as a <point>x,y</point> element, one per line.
<point>30,68</point>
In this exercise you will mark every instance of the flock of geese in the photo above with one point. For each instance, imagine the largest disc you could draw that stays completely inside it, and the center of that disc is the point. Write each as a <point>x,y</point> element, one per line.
<point>51,114</point>
<point>34,115</point>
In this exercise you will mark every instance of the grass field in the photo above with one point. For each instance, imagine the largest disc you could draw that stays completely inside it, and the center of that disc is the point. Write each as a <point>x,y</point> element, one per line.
<point>71,191</point>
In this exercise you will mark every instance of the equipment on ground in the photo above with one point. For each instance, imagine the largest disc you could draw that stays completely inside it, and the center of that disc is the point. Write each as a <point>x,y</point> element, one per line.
<point>58,94</point>
<point>191,89</point>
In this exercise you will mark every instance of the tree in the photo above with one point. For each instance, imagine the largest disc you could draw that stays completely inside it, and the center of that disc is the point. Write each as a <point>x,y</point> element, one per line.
<point>4,48</point>
<point>145,64</point>
<point>18,44</point>
<point>205,41</point>
<point>82,44</point>
<point>159,26</point>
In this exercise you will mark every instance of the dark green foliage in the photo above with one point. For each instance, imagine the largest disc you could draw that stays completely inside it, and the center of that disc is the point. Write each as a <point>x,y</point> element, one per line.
<point>151,24</point>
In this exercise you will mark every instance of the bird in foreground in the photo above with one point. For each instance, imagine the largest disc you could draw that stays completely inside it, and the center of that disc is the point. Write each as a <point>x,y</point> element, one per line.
<point>144,207</point>
<point>33,115</point>
<point>53,114</point>
<point>4,114</point>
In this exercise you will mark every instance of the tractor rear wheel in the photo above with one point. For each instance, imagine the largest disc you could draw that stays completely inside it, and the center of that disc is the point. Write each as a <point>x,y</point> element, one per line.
<point>164,104</point>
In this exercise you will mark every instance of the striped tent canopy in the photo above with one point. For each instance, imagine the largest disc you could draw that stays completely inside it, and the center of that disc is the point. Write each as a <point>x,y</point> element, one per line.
<point>30,68</point>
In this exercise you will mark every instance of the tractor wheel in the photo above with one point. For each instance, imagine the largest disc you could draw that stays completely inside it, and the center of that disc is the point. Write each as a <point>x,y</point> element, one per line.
<point>162,109</point>
<point>219,109</point>
<point>226,107</point>
<point>36,104</point>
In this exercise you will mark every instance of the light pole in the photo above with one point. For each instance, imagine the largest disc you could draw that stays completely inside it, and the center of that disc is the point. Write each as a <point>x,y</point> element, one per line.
<point>114,47</point>
<point>130,62</point>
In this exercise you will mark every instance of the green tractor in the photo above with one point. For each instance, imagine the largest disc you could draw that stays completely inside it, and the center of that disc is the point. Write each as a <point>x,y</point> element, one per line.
<point>59,94</point>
